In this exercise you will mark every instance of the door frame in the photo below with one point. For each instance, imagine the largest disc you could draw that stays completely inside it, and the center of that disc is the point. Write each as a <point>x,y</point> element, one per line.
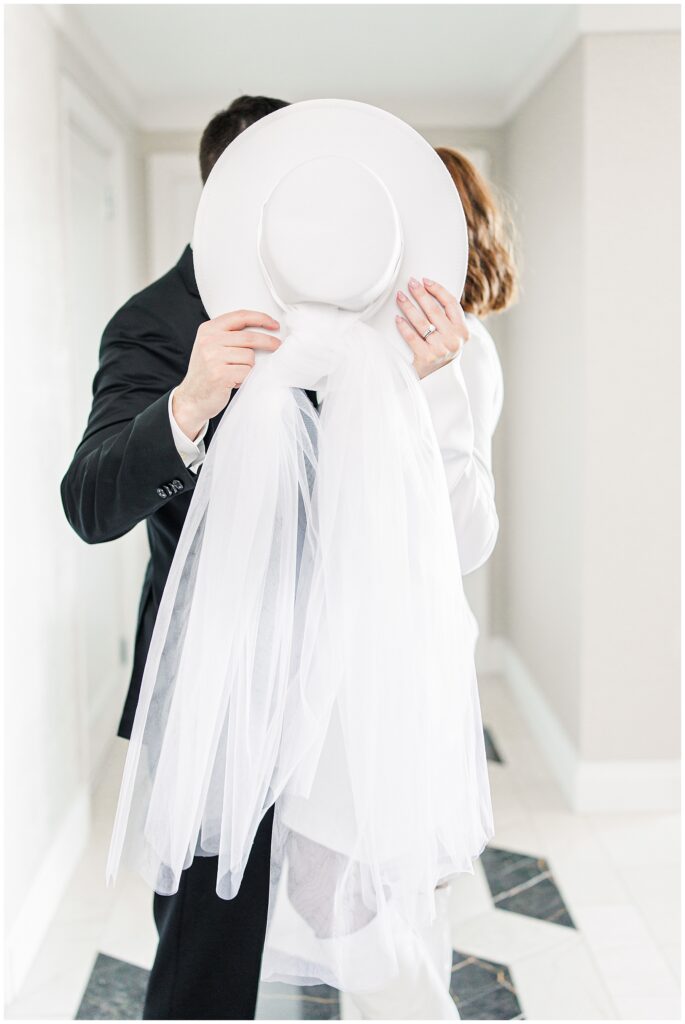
<point>164,169</point>
<point>79,113</point>
<point>78,110</point>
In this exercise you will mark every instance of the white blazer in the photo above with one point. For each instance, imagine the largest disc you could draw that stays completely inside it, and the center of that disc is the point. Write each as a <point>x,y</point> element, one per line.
<point>465,399</point>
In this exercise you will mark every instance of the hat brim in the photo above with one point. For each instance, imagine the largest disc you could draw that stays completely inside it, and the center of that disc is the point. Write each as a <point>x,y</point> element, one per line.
<point>226,223</point>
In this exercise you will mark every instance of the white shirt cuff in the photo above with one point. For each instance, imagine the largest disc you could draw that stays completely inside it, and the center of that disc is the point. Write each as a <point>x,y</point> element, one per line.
<point>192,452</point>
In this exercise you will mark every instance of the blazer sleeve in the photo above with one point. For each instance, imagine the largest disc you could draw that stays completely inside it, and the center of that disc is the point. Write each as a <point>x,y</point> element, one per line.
<point>465,399</point>
<point>127,465</point>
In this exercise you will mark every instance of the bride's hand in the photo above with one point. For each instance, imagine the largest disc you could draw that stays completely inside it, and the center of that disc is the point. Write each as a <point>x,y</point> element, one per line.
<point>436,306</point>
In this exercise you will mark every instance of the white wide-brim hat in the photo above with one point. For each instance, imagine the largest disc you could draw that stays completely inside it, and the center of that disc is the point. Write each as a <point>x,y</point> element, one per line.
<point>366,197</point>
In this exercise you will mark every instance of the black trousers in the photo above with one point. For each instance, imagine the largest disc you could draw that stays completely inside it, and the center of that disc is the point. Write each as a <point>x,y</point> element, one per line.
<point>210,950</point>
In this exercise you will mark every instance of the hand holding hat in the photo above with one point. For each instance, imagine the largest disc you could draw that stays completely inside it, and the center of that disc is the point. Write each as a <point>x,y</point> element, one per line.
<point>222,357</point>
<point>435,329</point>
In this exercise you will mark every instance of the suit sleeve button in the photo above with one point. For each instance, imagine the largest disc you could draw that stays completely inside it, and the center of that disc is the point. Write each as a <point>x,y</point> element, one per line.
<point>161,492</point>
<point>177,485</point>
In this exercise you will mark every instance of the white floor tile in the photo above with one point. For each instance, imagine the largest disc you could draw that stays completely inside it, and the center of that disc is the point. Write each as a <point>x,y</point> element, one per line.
<point>517,833</point>
<point>654,1007</point>
<point>59,1000</point>
<point>568,835</point>
<point>656,894</point>
<point>673,955</point>
<point>585,884</point>
<point>606,927</point>
<point>507,805</point>
<point>635,971</point>
<point>630,962</point>
<point>130,932</point>
<point>348,1010</point>
<point>469,897</point>
<point>58,995</point>
<point>562,983</point>
<point>639,840</point>
<point>505,937</point>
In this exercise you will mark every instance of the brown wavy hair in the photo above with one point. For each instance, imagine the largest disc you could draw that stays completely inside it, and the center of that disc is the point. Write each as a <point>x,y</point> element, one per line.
<point>491,277</point>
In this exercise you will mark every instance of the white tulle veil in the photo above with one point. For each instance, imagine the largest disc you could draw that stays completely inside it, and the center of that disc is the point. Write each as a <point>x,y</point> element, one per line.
<point>313,648</point>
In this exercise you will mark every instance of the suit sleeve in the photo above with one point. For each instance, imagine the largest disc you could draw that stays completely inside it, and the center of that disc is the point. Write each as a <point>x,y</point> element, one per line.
<point>465,399</point>
<point>127,465</point>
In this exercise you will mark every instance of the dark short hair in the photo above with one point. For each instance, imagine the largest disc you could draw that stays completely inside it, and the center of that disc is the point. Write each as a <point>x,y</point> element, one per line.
<point>228,124</point>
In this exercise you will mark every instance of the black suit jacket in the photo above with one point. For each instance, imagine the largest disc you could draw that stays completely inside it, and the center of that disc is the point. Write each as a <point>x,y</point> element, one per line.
<point>126,467</point>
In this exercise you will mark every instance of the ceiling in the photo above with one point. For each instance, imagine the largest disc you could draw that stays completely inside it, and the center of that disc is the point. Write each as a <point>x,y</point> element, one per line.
<point>453,64</point>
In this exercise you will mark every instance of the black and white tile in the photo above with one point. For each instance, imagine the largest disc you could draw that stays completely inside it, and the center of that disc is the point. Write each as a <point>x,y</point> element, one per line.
<point>565,916</point>
<point>278,1001</point>
<point>115,991</point>
<point>483,989</point>
<point>491,748</point>
<point>524,885</point>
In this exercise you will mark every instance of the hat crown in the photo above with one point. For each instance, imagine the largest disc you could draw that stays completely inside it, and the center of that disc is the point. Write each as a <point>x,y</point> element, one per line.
<point>330,233</point>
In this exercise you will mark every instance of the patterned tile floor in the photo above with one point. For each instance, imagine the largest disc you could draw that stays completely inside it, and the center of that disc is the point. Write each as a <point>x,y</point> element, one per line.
<point>482,990</point>
<point>566,916</point>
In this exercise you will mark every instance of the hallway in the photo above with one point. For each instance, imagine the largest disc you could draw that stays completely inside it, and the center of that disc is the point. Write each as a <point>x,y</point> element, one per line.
<point>574,910</point>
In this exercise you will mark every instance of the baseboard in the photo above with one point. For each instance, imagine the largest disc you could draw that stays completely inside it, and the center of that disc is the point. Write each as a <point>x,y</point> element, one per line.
<point>26,934</point>
<point>588,786</point>
<point>550,736</point>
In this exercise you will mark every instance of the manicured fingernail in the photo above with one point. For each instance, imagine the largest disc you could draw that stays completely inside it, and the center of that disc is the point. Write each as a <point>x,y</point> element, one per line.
<point>413,283</point>
<point>401,296</point>
<point>427,280</point>
<point>399,319</point>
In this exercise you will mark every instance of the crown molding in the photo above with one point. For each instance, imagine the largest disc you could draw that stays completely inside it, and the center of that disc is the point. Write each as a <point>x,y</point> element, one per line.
<point>548,58</point>
<point>601,18</point>
<point>589,19</point>
<point>174,115</point>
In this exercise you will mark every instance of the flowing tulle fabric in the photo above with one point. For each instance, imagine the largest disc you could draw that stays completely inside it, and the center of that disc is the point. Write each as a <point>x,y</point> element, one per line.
<point>314,649</point>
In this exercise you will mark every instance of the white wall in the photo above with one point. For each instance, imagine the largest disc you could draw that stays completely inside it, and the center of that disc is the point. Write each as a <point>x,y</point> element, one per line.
<point>541,521</point>
<point>49,761</point>
<point>630,609</point>
<point>592,368</point>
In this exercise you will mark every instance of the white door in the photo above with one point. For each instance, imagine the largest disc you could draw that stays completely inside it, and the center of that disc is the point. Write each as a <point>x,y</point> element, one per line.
<point>107,587</point>
<point>173,192</point>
